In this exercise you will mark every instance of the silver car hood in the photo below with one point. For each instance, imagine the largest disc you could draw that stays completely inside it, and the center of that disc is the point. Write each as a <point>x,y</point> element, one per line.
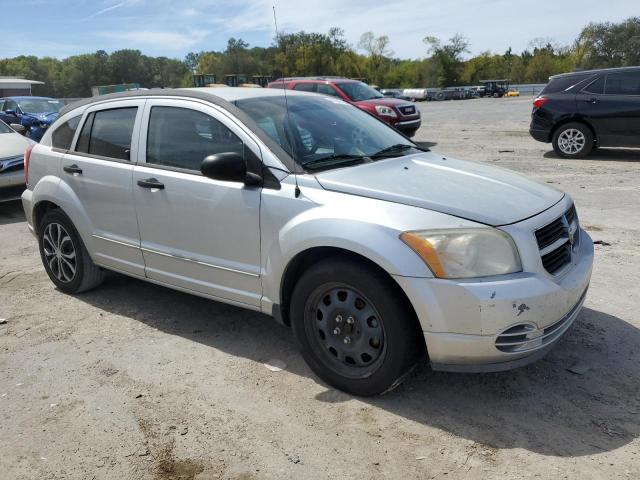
<point>477,192</point>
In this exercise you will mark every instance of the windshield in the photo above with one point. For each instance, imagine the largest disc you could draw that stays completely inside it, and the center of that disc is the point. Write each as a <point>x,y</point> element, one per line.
<point>324,132</point>
<point>40,105</point>
<point>4,128</point>
<point>358,91</point>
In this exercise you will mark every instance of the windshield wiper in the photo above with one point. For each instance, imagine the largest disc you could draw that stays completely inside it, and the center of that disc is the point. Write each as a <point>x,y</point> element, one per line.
<point>392,150</point>
<point>333,160</point>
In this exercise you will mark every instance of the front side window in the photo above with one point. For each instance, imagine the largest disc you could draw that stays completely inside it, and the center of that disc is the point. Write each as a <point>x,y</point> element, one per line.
<point>323,132</point>
<point>107,133</point>
<point>623,84</point>
<point>358,91</point>
<point>182,138</point>
<point>10,105</point>
<point>63,135</point>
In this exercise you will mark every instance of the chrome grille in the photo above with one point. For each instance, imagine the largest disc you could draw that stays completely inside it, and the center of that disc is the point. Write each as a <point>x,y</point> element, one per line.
<point>558,241</point>
<point>408,110</point>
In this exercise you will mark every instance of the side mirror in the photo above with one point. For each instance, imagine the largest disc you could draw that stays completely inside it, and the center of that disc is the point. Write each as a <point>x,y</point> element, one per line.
<point>19,128</point>
<point>229,167</point>
<point>10,112</point>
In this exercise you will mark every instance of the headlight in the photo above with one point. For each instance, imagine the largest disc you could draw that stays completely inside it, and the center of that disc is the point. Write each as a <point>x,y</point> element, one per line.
<point>465,253</point>
<point>385,111</point>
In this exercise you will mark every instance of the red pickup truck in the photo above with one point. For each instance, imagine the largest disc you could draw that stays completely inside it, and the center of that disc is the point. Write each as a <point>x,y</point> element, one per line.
<point>400,114</point>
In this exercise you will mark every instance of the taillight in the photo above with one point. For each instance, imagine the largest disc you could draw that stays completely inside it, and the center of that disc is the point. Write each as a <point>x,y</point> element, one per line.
<point>540,101</point>
<point>27,156</point>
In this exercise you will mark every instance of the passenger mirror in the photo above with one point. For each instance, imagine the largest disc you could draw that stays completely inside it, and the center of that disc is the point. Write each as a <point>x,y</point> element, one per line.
<point>19,128</point>
<point>10,112</point>
<point>228,167</point>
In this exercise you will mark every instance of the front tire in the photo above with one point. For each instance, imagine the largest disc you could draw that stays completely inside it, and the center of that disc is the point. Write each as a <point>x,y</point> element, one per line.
<point>355,328</point>
<point>64,256</point>
<point>573,140</point>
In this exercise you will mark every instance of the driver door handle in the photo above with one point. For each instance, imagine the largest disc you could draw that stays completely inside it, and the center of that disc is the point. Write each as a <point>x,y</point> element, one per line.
<point>592,100</point>
<point>151,183</point>
<point>73,169</point>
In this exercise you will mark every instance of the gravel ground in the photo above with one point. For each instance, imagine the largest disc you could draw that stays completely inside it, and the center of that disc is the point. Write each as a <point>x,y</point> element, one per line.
<point>137,381</point>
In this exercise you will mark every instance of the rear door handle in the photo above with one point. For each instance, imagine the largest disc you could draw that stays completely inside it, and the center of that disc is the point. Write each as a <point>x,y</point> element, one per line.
<point>73,169</point>
<point>593,100</point>
<point>151,183</point>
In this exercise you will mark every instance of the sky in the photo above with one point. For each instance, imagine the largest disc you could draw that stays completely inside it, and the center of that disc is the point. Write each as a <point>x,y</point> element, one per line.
<point>172,28</point>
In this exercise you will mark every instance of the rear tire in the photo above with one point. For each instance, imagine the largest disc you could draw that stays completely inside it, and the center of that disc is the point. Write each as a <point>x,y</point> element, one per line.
<point>64,255</point>
<point>355,329</point>
<point>573,140</point>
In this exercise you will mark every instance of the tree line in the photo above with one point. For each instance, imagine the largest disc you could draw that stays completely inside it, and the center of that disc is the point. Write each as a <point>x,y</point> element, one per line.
<point>599,45</point>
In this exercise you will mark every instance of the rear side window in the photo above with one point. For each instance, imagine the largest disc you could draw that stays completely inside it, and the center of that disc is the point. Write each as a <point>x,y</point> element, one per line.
<point>107,133</point>
<point>562,83</point>
<point>305,87</point>
<point>596,87</point>
<point>63,135</point>
<point>182,138</point>
<point>623,84</point>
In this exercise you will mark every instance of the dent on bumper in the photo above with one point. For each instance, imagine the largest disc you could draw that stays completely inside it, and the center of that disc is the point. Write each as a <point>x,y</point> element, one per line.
<point>462,319</point>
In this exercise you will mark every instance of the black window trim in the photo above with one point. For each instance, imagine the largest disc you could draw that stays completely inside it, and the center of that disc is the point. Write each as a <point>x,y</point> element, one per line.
<point>91,114</point>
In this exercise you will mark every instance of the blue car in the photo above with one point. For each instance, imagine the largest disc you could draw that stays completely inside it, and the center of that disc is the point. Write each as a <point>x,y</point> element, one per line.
<point>36,114</point>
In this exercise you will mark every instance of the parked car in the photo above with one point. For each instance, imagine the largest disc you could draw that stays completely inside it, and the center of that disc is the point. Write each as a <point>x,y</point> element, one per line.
<point>400,114</point>
<point>395,93</point>
<point>512,93</point>
<point>375,252</point>
<point>12,148</point>
<point>579,111</point>
<point>36,114</point>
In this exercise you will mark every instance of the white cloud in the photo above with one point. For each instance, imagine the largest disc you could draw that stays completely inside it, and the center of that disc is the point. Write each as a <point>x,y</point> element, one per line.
<point>160,39</point>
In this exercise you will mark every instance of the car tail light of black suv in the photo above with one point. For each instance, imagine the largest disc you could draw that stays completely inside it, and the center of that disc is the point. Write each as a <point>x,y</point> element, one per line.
<point>582,110</point>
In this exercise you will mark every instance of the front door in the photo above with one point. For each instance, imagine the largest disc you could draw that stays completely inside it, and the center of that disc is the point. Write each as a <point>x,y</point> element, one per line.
<point>99,170</point>
<point>198,234</point>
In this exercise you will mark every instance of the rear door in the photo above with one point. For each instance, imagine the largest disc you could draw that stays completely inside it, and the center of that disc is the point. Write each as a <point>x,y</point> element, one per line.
<point>99,170</point>
<point>612,105</point>
<point>198,234</point>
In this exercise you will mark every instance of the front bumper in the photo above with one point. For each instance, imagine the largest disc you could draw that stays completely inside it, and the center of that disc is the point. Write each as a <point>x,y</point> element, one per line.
<point>408,125</point>
<point>462,319</point>
<point>11,185</point>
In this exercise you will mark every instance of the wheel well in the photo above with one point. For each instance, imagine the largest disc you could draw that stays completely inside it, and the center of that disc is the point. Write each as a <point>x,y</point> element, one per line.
<point>39,210</point>
<point>303,260</point>
<point>574,120</point>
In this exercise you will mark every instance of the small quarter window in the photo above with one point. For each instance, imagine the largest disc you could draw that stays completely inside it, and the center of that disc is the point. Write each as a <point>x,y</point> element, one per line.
<point>182,138</point>
<point>62,136</point>
<point>107,133</point>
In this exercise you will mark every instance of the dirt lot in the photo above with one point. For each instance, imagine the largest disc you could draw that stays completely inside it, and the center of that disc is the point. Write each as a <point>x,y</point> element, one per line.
<point>137,381</point>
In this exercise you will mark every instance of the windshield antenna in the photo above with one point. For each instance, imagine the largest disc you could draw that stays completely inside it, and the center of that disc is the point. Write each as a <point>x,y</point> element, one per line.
<point>286,103</point>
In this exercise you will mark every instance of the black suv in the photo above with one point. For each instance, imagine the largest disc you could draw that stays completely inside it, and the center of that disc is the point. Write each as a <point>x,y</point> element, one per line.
<point>582,110</point>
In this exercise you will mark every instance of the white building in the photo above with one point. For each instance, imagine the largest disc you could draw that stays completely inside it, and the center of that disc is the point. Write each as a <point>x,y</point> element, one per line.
<point>14,86</point>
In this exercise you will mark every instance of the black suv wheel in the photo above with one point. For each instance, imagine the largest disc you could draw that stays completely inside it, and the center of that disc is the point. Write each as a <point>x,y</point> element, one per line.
<point>573,140</point>
<point>356,331</point>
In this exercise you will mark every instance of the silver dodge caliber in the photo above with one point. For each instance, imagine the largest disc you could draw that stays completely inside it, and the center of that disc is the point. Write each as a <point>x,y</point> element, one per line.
<point>374,251</point>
